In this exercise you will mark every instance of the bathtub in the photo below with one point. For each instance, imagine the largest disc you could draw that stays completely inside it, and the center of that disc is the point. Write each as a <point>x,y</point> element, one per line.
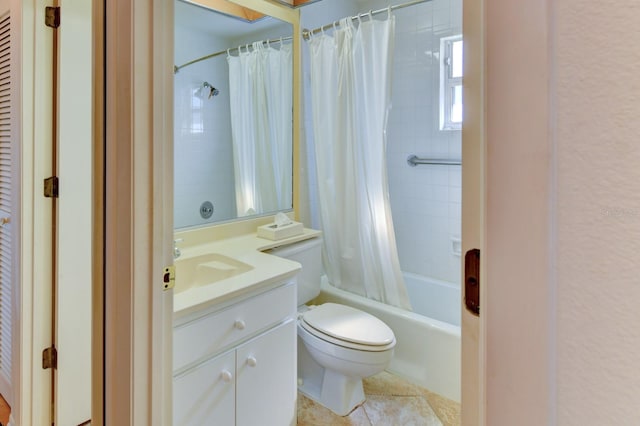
<point>427,351</point>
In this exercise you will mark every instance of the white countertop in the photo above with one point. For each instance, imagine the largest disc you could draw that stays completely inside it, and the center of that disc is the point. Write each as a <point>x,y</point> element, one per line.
<point>266,270</point>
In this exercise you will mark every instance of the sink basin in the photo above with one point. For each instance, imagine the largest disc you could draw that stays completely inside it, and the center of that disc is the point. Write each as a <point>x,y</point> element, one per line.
<point>206,269</point>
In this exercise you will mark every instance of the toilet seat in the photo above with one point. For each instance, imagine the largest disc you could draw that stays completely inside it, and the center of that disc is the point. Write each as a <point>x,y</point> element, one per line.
<point>348,327</point>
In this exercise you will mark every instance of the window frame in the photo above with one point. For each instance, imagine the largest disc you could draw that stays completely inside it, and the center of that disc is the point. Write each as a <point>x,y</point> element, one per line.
<point>448,82</point>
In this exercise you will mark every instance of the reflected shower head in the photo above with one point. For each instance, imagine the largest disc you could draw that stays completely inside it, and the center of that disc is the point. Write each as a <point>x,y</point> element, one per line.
<point>212,90</point>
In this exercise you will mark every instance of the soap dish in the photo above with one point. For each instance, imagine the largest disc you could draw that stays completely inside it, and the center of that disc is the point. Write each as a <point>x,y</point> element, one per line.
<point>272,231</point>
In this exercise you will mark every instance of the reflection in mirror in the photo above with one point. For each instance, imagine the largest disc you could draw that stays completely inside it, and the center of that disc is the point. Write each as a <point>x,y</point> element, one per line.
<point>233,116</point>
<point>296,3</point>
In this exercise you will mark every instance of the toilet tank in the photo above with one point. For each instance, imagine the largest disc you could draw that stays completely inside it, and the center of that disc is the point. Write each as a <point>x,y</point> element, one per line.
<point>308,253</point>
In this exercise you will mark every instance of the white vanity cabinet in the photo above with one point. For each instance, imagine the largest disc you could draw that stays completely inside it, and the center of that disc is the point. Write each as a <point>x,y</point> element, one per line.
<point>205,394</point>
<point>236,365</point>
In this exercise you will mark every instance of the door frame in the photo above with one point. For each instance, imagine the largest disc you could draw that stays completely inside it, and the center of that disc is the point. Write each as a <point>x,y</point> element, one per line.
<point>33,298</point>
<point>473,328</point>
<point>139,165</point>
<point>138,213</point>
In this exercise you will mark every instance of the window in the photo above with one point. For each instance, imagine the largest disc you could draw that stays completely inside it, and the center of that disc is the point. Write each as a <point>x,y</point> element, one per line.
<point>451,83</point>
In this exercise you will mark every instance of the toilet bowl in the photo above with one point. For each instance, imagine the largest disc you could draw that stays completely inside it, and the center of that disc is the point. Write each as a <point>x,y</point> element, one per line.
<point>338,345</point>
<point>331,365</point>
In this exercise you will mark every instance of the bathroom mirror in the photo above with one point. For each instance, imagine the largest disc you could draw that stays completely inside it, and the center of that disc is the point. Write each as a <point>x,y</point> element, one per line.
<point>232,114</point>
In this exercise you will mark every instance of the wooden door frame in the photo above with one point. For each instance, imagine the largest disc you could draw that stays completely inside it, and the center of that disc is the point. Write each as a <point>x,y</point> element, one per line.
<point>138,213</point>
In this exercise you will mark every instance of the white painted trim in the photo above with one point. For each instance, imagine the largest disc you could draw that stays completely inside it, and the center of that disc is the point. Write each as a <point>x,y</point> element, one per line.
<point>519,211</point>
<point>32,406</point>
<point>138,212</point>
<point>162,301</point>
<point>474,380</point>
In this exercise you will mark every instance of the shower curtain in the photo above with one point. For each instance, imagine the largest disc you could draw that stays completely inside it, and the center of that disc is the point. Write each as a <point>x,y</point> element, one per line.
<point>350,88</point>
<point>261,101</point>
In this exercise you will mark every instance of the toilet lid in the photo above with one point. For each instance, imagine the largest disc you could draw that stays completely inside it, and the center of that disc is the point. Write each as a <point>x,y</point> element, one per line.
<point>349,325</point>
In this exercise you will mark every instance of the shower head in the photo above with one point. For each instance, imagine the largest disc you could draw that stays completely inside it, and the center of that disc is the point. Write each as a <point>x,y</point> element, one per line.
<point>212,90</point>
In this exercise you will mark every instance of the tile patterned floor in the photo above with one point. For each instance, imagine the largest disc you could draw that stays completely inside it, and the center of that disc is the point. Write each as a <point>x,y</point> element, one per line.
<point>391,401</point>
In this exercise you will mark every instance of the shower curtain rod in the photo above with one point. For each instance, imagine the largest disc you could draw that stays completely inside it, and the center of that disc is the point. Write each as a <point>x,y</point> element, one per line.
<point>306,34</point>
<point>177,68</point>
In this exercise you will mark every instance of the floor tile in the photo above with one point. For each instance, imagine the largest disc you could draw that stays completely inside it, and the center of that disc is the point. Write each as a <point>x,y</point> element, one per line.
<point>313,414</point>
<point>447,410</point>
<point>391,401</point>
<point>388,384</point>
<point>400,410</point>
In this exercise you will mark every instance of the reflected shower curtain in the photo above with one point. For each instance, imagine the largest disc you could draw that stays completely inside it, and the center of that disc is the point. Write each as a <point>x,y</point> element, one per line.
<point>261,101</point>
<point>350,86</point>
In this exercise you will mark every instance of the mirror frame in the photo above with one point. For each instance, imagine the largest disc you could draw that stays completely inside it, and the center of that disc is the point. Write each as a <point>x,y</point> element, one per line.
<point>296,3</point>
<point>291,16</point>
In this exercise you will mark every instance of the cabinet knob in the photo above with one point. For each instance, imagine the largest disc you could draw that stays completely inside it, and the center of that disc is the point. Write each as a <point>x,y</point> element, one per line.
<point>226,376</point>
<point>239,325</point>
<point>252,361</point>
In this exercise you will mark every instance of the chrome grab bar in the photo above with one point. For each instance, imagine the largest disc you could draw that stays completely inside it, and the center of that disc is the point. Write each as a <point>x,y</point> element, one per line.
<point>414,160</point>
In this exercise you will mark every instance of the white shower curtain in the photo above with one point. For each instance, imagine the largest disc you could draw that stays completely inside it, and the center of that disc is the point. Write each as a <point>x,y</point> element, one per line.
<point>350,87</point>
<point>260,81</point>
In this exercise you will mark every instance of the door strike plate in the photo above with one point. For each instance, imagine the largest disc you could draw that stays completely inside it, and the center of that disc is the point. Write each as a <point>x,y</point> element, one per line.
<point>169,277</point>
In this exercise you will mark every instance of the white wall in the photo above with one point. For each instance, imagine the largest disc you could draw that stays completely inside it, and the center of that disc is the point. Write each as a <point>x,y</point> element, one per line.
<point>596,64</point>
<point>203,159</point>
<point>563,214</point>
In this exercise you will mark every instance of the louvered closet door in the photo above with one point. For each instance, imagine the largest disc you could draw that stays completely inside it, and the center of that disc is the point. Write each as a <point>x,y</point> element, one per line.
<point>6,237</point>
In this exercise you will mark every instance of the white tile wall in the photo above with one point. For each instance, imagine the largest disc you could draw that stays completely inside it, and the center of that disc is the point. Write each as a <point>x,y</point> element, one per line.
<point>425,200</point>
<point>203,160</point>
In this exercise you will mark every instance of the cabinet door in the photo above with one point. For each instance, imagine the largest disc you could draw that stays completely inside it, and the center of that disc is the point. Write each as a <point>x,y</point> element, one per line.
<point>204,395</point>
<point>266,378</point>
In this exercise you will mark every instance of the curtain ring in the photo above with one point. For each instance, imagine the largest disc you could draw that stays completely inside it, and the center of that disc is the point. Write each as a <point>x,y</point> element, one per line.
<point>370,15</point>
<point>389,12</point>
<point>229,52</point>
<point>359,20</point>
<point>334,25</point>
<point>239,50</point>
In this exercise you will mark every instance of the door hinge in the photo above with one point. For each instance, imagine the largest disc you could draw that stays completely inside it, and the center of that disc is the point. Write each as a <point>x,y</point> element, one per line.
<point>472,281</point>
<point>169,277</point>
<point>52,16</point>
<point>50,358</point>
<point>51,187</point>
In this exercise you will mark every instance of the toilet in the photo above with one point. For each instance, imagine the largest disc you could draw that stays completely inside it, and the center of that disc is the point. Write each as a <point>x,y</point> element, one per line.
<point>338,345</point>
